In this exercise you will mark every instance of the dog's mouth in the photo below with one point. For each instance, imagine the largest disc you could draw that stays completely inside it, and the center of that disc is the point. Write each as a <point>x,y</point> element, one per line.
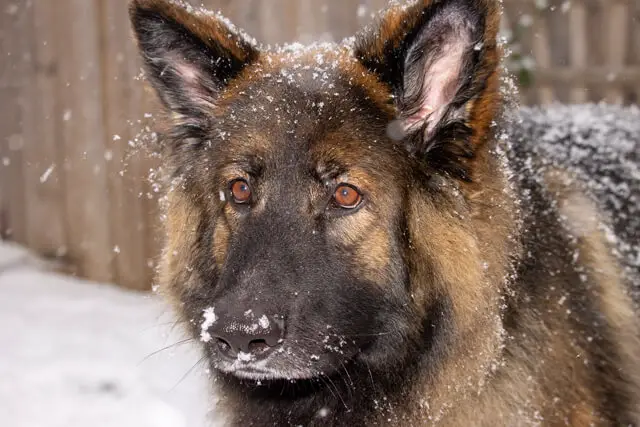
<point>288,364</point>
<point>273,368</point>
<point>257,375</point>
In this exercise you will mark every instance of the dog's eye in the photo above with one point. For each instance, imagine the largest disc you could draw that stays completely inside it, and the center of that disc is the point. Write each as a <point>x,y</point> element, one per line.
<point>240,191</point>
<point>347,196</point>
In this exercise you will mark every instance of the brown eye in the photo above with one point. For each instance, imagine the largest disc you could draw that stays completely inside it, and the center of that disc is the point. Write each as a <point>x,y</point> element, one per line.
<point>240,191</point>
<point>347,197</point>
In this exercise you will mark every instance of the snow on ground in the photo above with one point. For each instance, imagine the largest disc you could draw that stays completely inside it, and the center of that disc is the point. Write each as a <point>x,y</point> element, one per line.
<point>72,355</point>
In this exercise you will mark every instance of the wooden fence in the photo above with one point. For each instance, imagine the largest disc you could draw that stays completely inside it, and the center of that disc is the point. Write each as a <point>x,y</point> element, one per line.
<point>73,182</point>
<point>583,50</point>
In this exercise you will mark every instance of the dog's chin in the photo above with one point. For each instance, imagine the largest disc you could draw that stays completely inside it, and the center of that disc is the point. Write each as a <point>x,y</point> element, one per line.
<point>249,373</point>
<point>276,369</point>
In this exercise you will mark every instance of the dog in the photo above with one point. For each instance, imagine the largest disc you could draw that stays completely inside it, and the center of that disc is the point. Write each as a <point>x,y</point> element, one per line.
<point>371,233</point>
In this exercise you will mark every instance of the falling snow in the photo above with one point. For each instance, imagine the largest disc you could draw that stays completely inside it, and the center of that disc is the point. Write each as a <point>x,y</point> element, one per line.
<point>45,176</point>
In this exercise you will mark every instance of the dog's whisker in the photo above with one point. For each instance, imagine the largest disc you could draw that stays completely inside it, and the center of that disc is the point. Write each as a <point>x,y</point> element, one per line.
<point>188,372</point>
<point>347,372</point>
<point>373,385</point>
<point>175,344</point>
<point>337,391</point>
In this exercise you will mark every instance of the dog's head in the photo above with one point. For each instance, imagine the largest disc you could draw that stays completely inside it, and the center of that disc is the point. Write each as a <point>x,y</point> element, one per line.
<point>319,209</point>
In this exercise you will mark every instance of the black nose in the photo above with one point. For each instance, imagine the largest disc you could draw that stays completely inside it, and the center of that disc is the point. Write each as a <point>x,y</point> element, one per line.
<point>253,334</point>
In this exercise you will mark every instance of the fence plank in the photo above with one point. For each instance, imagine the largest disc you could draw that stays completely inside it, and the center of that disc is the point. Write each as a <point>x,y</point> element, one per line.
<point>83,135</point>
<point>13,18</point>
<point>633,57</point>
<point>12,210</point>
<point>616,40</point>
<point>125,177</point>
<point>44,198</point>
<point>558,24</point>
<point>542,52</point>
<point>633,28</point>
<point>578,52</point>
<point>597,50</point>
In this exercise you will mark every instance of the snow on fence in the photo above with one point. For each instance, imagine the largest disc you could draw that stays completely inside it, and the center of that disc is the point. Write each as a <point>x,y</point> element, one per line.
<point>73,184</point>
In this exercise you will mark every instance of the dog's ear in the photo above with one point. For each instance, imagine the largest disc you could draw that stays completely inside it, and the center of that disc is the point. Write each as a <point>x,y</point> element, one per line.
<point>188,56</point>
<point>440,60</point>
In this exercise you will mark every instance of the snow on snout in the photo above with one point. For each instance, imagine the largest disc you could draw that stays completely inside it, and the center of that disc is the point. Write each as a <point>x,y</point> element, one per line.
<point>209,319</point>
<point>248,328</point>
<point>245,357</point>
<point>252,326</point>
<point>264,322</point>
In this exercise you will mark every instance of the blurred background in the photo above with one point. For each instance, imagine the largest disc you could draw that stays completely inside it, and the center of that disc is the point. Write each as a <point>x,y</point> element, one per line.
<point>74,185</point>
<point>77,188</point>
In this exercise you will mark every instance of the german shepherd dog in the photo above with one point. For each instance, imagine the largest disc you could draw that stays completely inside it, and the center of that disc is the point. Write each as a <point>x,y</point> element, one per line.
<point>366,234</point>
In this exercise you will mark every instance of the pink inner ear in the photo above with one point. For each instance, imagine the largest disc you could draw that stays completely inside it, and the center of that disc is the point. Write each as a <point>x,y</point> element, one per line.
<point>194,84</point>
<point>186,72</point>
<point>440,85</point>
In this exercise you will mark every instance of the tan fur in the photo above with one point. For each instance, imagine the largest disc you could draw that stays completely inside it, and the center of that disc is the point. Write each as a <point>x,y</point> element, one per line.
<point>584,222</point>
<point>182,226</point>
<point>374,254</point>
<point>448,257</point>
<point>221,242</point>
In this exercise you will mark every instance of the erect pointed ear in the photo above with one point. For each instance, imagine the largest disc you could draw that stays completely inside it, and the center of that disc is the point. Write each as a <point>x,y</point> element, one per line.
<point>440,59</point>
<point>189,56</point>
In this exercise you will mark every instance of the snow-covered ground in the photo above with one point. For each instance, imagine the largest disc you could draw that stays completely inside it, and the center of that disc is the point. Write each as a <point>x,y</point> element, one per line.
<point>72,354</point>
